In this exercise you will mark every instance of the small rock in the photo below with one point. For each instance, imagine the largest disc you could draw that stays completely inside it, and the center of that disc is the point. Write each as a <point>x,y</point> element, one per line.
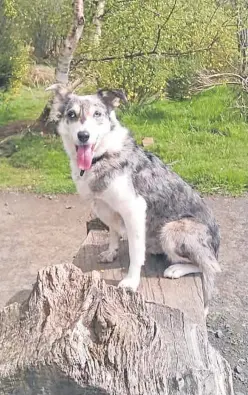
<point>6,204</point>
<point>68,207</point>
<point>50,197</point>
<point>238,369</point>
<point>147,141</point>
<point>219,334</point>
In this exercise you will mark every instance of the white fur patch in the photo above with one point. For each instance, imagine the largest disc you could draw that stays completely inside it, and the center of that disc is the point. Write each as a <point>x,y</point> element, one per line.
<point>180,269</point>
<point>121,196</point>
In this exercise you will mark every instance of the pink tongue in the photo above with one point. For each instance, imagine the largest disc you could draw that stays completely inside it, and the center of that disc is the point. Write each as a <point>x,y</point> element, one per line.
<point>84,157</point>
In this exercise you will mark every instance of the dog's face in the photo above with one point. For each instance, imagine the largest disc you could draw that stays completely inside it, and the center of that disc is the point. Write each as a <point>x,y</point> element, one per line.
<point>85,120</point>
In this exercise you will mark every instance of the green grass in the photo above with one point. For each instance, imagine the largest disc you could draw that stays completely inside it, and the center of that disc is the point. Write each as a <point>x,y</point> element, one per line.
<point>39,164</point>
<point>26,105</point>
<point>206,142</point>
<point>204,139</point>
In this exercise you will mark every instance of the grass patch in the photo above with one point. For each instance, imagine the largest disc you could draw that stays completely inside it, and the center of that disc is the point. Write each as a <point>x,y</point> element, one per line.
<point>39,164</point>
<point>203,138</point>
<point>24,105</point>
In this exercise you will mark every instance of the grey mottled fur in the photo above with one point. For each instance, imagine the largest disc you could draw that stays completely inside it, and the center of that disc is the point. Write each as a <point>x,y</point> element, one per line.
<point>168,197</point>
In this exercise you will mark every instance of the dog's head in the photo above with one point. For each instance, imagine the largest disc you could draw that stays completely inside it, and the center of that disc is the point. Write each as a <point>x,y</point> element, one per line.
<point>85,120</point>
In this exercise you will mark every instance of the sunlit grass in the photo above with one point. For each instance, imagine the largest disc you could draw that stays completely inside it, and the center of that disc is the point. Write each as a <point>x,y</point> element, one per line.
<point>202,139</point>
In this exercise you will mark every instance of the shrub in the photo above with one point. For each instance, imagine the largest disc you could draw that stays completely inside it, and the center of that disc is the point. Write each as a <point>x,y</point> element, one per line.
<point>178,85</point>
<point>14,54</point>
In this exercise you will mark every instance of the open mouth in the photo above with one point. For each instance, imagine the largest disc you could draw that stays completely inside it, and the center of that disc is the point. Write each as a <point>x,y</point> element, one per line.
<point>85,155</point>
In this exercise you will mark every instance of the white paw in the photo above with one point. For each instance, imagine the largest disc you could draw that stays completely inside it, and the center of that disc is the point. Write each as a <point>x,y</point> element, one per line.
<point>129,282</point>
<point>174,271</point>
<point>107,256</point>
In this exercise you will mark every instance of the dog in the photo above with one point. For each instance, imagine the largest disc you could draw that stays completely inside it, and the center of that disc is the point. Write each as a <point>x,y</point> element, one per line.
<point>133,192</point>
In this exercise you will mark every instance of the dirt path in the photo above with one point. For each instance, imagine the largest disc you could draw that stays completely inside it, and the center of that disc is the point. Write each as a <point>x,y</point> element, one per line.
<point>37,231</point>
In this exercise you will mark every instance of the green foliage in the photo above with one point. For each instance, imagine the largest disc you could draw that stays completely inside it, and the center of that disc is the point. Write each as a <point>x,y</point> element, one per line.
<point>179,84</point>
<point>204,140</point>
<point>241,103</point>
<point>13,51</point>
<point>144,46</point>
<point>44,24</point>
<point>141,47</point>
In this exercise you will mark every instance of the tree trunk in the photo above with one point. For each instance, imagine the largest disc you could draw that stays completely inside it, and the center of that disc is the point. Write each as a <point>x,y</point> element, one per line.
<point>46,123</point>
<point>97,21</point>
<point>77,335</point>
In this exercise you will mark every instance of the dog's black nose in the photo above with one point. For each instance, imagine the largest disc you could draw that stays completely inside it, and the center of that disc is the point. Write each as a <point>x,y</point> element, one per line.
<point>83,136</point>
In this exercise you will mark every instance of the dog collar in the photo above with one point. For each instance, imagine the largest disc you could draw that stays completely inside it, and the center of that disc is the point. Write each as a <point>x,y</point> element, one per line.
<point>95,160</point>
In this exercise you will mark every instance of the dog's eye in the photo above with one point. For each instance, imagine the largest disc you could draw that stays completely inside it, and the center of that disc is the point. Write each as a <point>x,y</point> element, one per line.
<point>97,114</point>
<point>71,114</point>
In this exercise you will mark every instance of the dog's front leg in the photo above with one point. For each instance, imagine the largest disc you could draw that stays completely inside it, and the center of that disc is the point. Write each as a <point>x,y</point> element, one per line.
<point>134,216</point>
<point>115,224</point>
<point>111,253</point>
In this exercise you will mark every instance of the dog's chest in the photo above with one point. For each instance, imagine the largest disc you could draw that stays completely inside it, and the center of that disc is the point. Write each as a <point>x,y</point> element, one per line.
<point>82,183</point>
<point>88,185</point>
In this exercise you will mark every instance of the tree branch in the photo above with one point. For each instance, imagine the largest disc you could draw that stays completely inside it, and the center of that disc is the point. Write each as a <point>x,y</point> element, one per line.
<point>160,28</point>
<point>210,21</point>
<point>141,54</point>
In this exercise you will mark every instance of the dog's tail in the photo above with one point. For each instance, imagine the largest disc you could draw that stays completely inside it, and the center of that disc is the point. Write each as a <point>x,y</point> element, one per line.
<point>190,239</point>
<point>205,259</point>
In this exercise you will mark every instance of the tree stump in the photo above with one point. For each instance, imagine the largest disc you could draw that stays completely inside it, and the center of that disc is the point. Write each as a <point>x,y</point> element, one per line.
<point>78,335</point>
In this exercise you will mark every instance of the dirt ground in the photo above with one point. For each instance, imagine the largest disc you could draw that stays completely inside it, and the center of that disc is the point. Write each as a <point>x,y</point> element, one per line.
<point>36,231</point>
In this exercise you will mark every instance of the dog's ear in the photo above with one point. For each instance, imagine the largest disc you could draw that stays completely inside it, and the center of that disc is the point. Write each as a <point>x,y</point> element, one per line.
<point>112,98</point>
<point>60,100</point>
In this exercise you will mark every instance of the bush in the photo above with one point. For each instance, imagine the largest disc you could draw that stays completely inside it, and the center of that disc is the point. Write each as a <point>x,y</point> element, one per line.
<point>13,66</point>
<point>142,79</point>
<point>141,48</point>
<point>14,53</point>
<point>177,88</point>
<point>178,85</point>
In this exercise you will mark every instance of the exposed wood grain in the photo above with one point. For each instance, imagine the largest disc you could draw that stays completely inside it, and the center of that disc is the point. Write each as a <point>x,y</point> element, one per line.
<point>78,336</point>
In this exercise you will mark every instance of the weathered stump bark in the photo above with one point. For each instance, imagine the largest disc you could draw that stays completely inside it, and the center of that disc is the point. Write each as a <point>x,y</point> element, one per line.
<point>77,335</point>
